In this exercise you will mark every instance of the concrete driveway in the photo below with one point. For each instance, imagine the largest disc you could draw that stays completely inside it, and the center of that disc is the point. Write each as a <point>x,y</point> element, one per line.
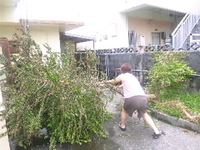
<point>139,136</point>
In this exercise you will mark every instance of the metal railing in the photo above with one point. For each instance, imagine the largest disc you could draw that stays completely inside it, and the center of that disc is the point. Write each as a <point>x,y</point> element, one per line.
<point>183,30</point>
<point>141,75</point>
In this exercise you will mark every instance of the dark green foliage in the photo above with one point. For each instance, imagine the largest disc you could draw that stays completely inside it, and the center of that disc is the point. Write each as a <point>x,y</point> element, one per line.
<point>167,80</point>
<point>53,92</point>
<point>169,71</point>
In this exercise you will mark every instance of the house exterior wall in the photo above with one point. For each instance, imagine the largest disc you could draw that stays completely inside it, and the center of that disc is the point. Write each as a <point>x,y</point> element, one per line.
<point>41,35</point>
<point>9,15</point>
<point>144,27</point>
<point>170,12</point>
<point>7,31</point>
<point>49,35</point>
<point>116,35</point>
<point>45,26</point>
<point>9,22</point>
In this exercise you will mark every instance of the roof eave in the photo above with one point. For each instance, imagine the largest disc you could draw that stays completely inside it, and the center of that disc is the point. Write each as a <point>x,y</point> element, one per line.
<point>63,25</point>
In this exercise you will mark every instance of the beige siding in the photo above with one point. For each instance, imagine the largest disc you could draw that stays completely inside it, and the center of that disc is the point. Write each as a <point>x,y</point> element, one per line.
<point>48,35</point>
<point>145,27</point>
<point>8,15</point>
<point>7,31</point>
<point>40,34</point>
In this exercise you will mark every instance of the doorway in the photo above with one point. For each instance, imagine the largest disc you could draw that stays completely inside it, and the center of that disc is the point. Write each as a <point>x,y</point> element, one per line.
<point>155,38</point>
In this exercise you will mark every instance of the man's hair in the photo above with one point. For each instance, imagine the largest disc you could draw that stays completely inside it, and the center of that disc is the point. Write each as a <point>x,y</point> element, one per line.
<point>126,67</point>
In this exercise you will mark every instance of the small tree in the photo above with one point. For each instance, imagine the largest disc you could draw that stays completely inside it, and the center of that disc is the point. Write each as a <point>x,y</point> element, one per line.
<point>53,92</point>
<point>170,71</point>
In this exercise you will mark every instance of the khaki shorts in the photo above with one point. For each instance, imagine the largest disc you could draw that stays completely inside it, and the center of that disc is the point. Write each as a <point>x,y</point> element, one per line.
<point>138,103</point>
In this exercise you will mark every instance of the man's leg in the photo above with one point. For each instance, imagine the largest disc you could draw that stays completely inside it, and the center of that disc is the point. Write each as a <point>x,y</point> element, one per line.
<point>148,119</point>
<point>124,116</point>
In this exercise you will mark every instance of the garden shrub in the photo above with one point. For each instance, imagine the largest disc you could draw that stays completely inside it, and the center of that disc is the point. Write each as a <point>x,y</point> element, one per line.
<point>170,71</point>
<point>53,92</point>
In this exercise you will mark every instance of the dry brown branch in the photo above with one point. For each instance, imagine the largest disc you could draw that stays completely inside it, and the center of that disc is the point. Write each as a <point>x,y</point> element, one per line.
<point>186,111</point>
<point>119,90</point>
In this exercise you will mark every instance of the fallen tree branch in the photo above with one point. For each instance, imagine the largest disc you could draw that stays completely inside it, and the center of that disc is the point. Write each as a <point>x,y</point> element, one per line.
<point>120,90</point>
<point>186,111</point>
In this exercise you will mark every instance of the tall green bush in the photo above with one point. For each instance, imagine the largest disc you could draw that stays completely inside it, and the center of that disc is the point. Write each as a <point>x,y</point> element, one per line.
<point>170,71</point>
<point>53,92</point>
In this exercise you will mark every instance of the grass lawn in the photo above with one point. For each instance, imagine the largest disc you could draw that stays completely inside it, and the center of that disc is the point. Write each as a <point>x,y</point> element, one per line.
<point>183,104</point>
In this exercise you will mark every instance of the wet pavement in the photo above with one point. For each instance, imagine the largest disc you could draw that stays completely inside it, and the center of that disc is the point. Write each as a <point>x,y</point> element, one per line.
<point>138,135</point>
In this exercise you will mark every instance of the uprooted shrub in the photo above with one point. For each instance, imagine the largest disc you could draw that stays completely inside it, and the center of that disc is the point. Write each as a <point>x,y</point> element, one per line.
<point>53,92</point>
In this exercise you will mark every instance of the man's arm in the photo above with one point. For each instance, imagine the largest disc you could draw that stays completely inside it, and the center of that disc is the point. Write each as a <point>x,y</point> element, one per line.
<point>114,81</point>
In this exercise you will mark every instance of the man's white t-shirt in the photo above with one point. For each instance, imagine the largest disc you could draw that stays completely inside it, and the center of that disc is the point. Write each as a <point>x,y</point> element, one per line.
<point>131,85</point>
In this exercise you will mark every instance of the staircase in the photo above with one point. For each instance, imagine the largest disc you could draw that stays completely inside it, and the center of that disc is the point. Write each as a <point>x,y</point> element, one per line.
<point>183,30</point>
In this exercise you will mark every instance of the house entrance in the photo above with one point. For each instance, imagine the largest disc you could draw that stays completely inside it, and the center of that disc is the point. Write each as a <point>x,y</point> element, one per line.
<point>155,38</point>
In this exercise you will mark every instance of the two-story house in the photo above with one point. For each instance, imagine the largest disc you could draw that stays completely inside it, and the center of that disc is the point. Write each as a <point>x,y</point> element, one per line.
<point>151,23</point>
